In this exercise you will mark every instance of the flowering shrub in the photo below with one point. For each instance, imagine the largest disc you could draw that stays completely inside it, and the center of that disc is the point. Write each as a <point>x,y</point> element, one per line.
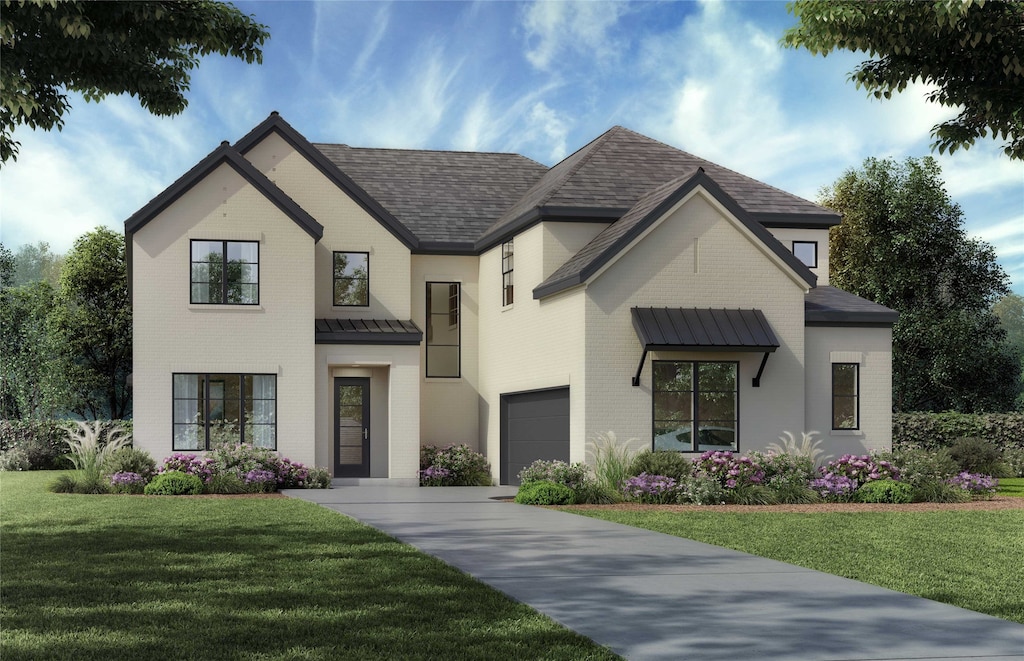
<point>975,484</point>
<point>573,476</point>
<point>647,488</point>
<point>834,488</point>
<point>466,467</point>
<point>190,464</point>
<point>434,476</point>
<point>701,489</point>
<point>128,482</point>
<point>241,458</point>
<point>260,480</point>
<point>292,475</point>
<point>729,470</point>
<point>861,469</point>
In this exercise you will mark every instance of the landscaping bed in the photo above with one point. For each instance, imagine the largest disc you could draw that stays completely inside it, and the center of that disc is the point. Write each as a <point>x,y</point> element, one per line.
<point>995,503</point>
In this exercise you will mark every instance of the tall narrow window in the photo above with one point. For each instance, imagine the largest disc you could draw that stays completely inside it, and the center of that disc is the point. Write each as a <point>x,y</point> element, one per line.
<point>443,336</point>
<point>845,396</point>
<point>696,405</point>
<point>806,252</point>
<point>225,272</point>
<point>209,409</point>
<point>507,293</point>
<point>352,278</point>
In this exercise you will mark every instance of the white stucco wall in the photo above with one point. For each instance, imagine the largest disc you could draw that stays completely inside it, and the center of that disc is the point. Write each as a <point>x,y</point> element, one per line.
<point>787,236</point>
<point>697,257</point>
<point>872,349</point>
<point>172,335</point>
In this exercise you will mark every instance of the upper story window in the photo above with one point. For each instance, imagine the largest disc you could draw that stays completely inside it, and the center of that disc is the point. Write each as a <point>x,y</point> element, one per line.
<point>696,405</point>
<point>506,273</point>
<point>225,272</point>
<point>211,409</point>
<point>352,278</point>
<point>443,336</point>
<point>806,252</point>
<point>845,396</point>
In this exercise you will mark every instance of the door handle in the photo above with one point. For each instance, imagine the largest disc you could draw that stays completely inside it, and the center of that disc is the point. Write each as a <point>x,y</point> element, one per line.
<point>366,434</point>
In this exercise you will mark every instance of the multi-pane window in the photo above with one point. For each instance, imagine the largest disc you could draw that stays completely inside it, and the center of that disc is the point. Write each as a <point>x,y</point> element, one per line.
<point>443,337</point>
<point>226,272</point>
<point>210,409</point>
<point>806,252</point>
<point>696,405</point>
<point>507,296</point>
<point>845,396</point>
<point>352,278</point>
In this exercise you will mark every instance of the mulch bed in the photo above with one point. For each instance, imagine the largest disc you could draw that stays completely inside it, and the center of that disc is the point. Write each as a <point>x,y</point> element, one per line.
<point>996,503</point>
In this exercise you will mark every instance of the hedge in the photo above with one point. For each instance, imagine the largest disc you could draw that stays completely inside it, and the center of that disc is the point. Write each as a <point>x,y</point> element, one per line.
<point>43,441</point>
<point>938,430</point>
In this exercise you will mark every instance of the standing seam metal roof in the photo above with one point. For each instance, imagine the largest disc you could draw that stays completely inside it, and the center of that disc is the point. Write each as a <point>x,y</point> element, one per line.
<point>680,329</point>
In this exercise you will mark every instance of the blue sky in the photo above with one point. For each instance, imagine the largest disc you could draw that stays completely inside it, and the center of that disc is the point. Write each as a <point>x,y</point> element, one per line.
<point>541,79</point>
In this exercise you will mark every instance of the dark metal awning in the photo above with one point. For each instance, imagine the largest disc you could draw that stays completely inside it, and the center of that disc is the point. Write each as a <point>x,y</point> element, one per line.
<point>367,331</point>
<point>694,329</point>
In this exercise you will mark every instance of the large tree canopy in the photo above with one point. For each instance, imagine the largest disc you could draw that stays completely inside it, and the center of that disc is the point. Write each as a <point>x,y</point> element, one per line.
<point>146,49</point>
<point>972,51</point>
<point>902,244</point>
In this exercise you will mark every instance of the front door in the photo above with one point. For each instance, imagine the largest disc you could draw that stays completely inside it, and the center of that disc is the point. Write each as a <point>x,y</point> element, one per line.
<point>351,427</point>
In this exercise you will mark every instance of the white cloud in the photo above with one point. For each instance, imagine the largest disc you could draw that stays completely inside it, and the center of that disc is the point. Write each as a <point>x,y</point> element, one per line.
<point>378,28</point>
<point>552,127</point>
<point>556,28</point>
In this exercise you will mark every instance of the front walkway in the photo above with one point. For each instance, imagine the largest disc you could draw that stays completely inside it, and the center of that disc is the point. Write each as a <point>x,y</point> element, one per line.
<point>647,595</point>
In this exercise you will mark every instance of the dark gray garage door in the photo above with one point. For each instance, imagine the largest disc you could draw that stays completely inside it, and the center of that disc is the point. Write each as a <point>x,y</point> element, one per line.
<point>534,425</point>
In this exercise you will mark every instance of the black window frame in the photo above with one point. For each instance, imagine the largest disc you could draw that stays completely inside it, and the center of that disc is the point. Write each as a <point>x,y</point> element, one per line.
<point>453,317</point>
<point>507,269</point>
<point>208,378</point>
<point>694,400</point>
<point>225,262</point>
<point>809,243</point>
<point>335,278</point>
<point>855,397</point>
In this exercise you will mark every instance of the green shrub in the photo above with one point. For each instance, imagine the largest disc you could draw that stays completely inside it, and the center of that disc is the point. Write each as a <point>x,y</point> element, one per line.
<point>1014,460</point>
<point>63,483</point>
<point>225,483</point>
<point>570,475</point>
<point>749,494</point>
<point>43,441</point>
<point>130,460</point>
<point>80,482</point>
<point>661,462</point>
<point>593,493</point>
<point>938,430</point>
<point>454,466</point>
<point>935,490</point>
<point>885,491</point>
<point>240,458</point>
<point>174,483</point>
<point>700,489</point>
<point>544,493</point>
<point>791,490</point>
<point>976,455</point>
<point>319,478</point>
<point>15,459</point>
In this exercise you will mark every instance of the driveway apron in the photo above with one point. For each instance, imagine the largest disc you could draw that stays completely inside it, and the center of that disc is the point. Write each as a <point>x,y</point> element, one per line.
<point>647,595</point>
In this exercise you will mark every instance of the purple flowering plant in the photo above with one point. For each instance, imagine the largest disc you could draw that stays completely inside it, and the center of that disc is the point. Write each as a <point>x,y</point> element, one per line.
<point>861,468</point>
<point>435,476</point>
<point>128,482</point>
<point>260,480</point>
<point>730,470</point>
<point>836,488</point>
<point>647,488</point>
<point>976,484</point>
<point>201,467</point>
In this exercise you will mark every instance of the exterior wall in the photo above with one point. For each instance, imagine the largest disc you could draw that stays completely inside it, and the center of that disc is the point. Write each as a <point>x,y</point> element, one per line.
<point>172,335</point>
<point>347,228</point>
<point>394,416</point>
<point>449,407</point>
<point>872,348</point>
<point>562,241</point>
<point>787,236</point>
<point>697,257</point>
<point>531,344</point>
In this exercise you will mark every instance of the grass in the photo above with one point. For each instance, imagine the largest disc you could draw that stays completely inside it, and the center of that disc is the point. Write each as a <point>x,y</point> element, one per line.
<point>970,559</point>
<point>107,577</point>
<point>1011,486</point>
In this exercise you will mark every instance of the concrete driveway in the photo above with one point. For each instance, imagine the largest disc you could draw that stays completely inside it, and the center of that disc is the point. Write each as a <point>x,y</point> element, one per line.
<point>647,595</point>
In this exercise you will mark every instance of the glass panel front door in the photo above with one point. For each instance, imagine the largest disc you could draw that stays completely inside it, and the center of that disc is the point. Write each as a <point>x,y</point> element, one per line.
<point>351,427</point>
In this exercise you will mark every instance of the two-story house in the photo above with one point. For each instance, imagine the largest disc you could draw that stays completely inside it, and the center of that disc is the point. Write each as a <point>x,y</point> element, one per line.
<point>345,306</point>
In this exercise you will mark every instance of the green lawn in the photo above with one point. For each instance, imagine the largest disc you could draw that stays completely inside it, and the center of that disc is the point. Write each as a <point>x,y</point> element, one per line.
<point>134,577</point>
<point>971,559</point>
<point>1011,486</point>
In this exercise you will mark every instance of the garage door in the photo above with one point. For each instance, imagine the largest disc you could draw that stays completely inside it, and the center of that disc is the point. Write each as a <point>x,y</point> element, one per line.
<point>534,425</point>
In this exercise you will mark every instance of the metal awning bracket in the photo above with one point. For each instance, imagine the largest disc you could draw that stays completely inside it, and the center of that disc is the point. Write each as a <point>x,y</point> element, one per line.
<point>760,370</point>
<point>640,368</point>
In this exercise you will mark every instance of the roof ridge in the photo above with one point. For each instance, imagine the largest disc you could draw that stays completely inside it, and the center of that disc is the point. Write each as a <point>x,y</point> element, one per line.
<point>426,151</point>
<point>591,148</point>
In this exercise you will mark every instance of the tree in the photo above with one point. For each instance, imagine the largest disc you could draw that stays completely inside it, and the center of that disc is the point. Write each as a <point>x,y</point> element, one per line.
<point>31,384</point>
<point>902,244</point>
<point>35,263</point>
<point>146,49</point>
<point>972,51</point>
<point>1010,310</point>
<point>7,266</point>
<point>93,319</point>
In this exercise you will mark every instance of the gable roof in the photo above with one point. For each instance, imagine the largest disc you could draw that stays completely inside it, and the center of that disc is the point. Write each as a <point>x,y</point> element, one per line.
<point>609,175</point>
<point>652,206</point>
<point>447,198</point>
<point>829,306</point>
<point>276,124</point>
<point>225,154</point>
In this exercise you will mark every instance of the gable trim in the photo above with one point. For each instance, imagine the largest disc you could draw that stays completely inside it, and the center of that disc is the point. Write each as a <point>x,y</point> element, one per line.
<point>225,154</point>
<point>276,124</point>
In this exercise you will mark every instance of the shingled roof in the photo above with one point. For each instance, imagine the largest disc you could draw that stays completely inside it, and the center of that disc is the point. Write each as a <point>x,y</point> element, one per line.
<point>446,198</point>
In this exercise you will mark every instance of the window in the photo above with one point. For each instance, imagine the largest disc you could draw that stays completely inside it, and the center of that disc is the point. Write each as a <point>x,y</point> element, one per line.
<point>845,396</point>
<point>226,272</point>
<point>692,395</point>
<point>806,252</point>
<point>506,273</point>
<point>352,278</point>
<point>209,409</point>
<point>443,336</point>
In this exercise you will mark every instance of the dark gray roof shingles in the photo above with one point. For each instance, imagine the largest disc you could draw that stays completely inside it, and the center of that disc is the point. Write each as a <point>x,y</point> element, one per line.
<point>827,305</point>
